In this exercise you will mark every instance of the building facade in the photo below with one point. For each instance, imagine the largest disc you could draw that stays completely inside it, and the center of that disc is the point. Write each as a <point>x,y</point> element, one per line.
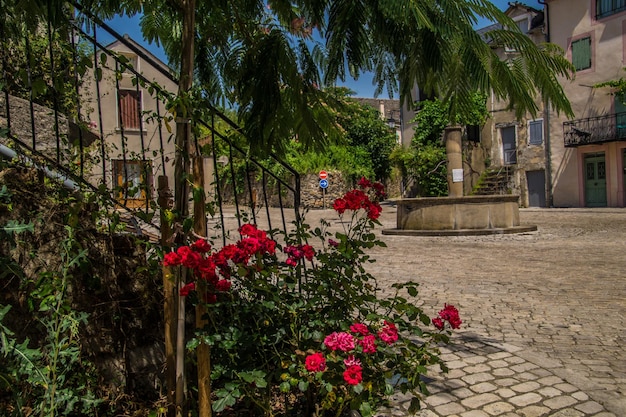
<point>124,108</point>
<point>589,152</point>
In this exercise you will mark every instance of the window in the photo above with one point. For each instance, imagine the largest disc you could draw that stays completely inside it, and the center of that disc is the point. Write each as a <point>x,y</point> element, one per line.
<point>606,8</point>
<point>132,180</point>
<point>522,24</point>
<point>130,109</point>
<point>581,53</point>
<point>509,145</point>
<point>535,132</point>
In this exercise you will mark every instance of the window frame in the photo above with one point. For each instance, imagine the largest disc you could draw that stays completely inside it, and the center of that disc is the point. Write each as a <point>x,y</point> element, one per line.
<point>121,182</point>
<point>613,10</point>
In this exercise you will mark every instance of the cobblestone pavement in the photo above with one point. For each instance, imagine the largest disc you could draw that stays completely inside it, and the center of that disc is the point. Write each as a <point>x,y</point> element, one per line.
<point>544,314</point>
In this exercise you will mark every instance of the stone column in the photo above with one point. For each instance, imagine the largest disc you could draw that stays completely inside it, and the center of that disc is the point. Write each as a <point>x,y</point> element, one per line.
<point>452,137</point>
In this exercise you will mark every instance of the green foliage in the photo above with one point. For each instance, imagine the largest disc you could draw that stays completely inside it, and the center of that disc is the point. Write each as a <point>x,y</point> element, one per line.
<point>618,87</point>
<point>49,375</point>
<point>28,69</point>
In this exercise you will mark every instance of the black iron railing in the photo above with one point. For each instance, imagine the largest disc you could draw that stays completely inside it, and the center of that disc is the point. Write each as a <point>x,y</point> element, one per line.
<point>594,130</point>
<point>80,104</point>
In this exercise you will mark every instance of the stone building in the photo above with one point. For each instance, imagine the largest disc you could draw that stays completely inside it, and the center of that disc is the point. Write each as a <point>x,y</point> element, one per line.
<point>126,112</point>
<point>554,161</point>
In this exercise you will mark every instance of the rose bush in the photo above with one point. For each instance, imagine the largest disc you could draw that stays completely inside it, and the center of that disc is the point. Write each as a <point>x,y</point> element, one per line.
<point>300,328</point>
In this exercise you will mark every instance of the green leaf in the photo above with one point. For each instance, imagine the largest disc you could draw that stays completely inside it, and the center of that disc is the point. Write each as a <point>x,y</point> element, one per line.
<point>365,409</point>
<point>303,386</point>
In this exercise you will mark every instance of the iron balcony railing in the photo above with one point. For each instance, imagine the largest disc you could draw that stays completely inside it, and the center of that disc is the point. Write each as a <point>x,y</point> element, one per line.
<point>594,130</point>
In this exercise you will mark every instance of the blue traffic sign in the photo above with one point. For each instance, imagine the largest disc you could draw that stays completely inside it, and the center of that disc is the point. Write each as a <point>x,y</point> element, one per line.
<point>324,183</point>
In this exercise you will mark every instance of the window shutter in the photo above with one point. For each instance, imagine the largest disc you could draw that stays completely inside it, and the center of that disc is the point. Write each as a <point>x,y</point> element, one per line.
<point>581,54</point>
<point>129,109</point>
<point>535,132</point>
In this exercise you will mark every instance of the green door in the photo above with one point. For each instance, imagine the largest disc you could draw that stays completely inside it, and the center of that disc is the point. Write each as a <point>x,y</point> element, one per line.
<point>595,180</point>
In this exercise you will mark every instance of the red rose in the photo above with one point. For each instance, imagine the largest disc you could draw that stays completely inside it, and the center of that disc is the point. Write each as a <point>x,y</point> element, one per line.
<point>353,375</point>
<point>223,285</point>
<point>248,230</point>
<point>451,315</point>
<point>364,183</point>
<point>201,246</point>
<point>360,329</point>
<point>315,362</point>
<point>185,290</point>
<point>438,323</point>
<point>368,344</point>
<point>171,259</point>
<point>340,205</point>
<point>189,258</point>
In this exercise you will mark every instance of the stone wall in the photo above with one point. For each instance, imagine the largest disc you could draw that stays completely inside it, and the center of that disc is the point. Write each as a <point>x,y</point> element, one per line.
<point>314,197</point>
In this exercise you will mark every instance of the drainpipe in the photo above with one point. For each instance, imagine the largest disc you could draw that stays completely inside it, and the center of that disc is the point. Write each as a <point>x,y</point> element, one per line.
<point>67,183</point>
<point>546,115</point>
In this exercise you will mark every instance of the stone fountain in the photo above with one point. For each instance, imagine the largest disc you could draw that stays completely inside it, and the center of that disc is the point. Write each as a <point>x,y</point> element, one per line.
<point>457,215</point>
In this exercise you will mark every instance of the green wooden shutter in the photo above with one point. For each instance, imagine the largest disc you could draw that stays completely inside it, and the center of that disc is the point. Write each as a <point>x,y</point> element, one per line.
<point>581,54</point>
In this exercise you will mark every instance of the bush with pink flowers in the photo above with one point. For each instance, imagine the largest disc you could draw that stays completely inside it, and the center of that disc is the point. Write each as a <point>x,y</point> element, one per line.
<point>300,328</point>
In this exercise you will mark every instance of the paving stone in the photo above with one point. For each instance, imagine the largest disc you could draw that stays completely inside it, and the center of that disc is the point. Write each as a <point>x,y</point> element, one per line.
<point>479,400</point>
<point>525,387</point>
<point>549,392</point>
<point>550,380</point>
<point>589,407</point>
<point>456,364</point>
<point>483,387</point>
<point>534,411</point>
<point>498,364</point>
<point>477,378</point>
<point>450,408</point>
<point>523,367</point>
<point>477,368</point>
<point>514,360</point>
<point>506,393</point>
<point>462,393</point>
<point>526,376</point>
<point>503,372</point>
<point>499,355</point>
<point>580,396</point>
<point>475,359</point>
<point>525,399</point>
<point>566,387</point>
<point>474,413</point>
<point>506,382</point>
<point>561,401</point>
<point>568,412</point>
<point>498,408</point>
<point>442,398</point>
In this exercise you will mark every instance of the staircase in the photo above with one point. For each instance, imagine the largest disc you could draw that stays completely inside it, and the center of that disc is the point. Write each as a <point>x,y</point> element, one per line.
<point>494,181</point>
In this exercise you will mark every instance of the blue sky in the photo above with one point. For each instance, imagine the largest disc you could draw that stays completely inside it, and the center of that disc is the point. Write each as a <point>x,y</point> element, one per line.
<point>363,86</point>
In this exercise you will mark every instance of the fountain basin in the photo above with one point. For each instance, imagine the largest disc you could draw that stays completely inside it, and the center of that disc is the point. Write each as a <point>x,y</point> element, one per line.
<point>449,216</point>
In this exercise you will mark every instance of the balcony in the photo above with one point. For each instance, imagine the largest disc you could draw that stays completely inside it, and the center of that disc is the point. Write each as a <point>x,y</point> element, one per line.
<point>595,130</point>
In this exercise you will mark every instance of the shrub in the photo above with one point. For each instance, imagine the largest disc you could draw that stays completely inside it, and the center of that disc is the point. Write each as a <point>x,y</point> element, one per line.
<point>300,329</point>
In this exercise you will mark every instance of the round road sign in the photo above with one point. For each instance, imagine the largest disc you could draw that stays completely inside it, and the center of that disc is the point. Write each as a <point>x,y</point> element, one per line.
<point>324,183</point>
<point>323,176</point>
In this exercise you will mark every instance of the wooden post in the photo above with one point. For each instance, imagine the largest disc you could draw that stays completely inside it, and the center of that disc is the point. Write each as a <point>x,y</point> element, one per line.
<point>181,173</point>
<point>169,302</point>
<point>203,353</point>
